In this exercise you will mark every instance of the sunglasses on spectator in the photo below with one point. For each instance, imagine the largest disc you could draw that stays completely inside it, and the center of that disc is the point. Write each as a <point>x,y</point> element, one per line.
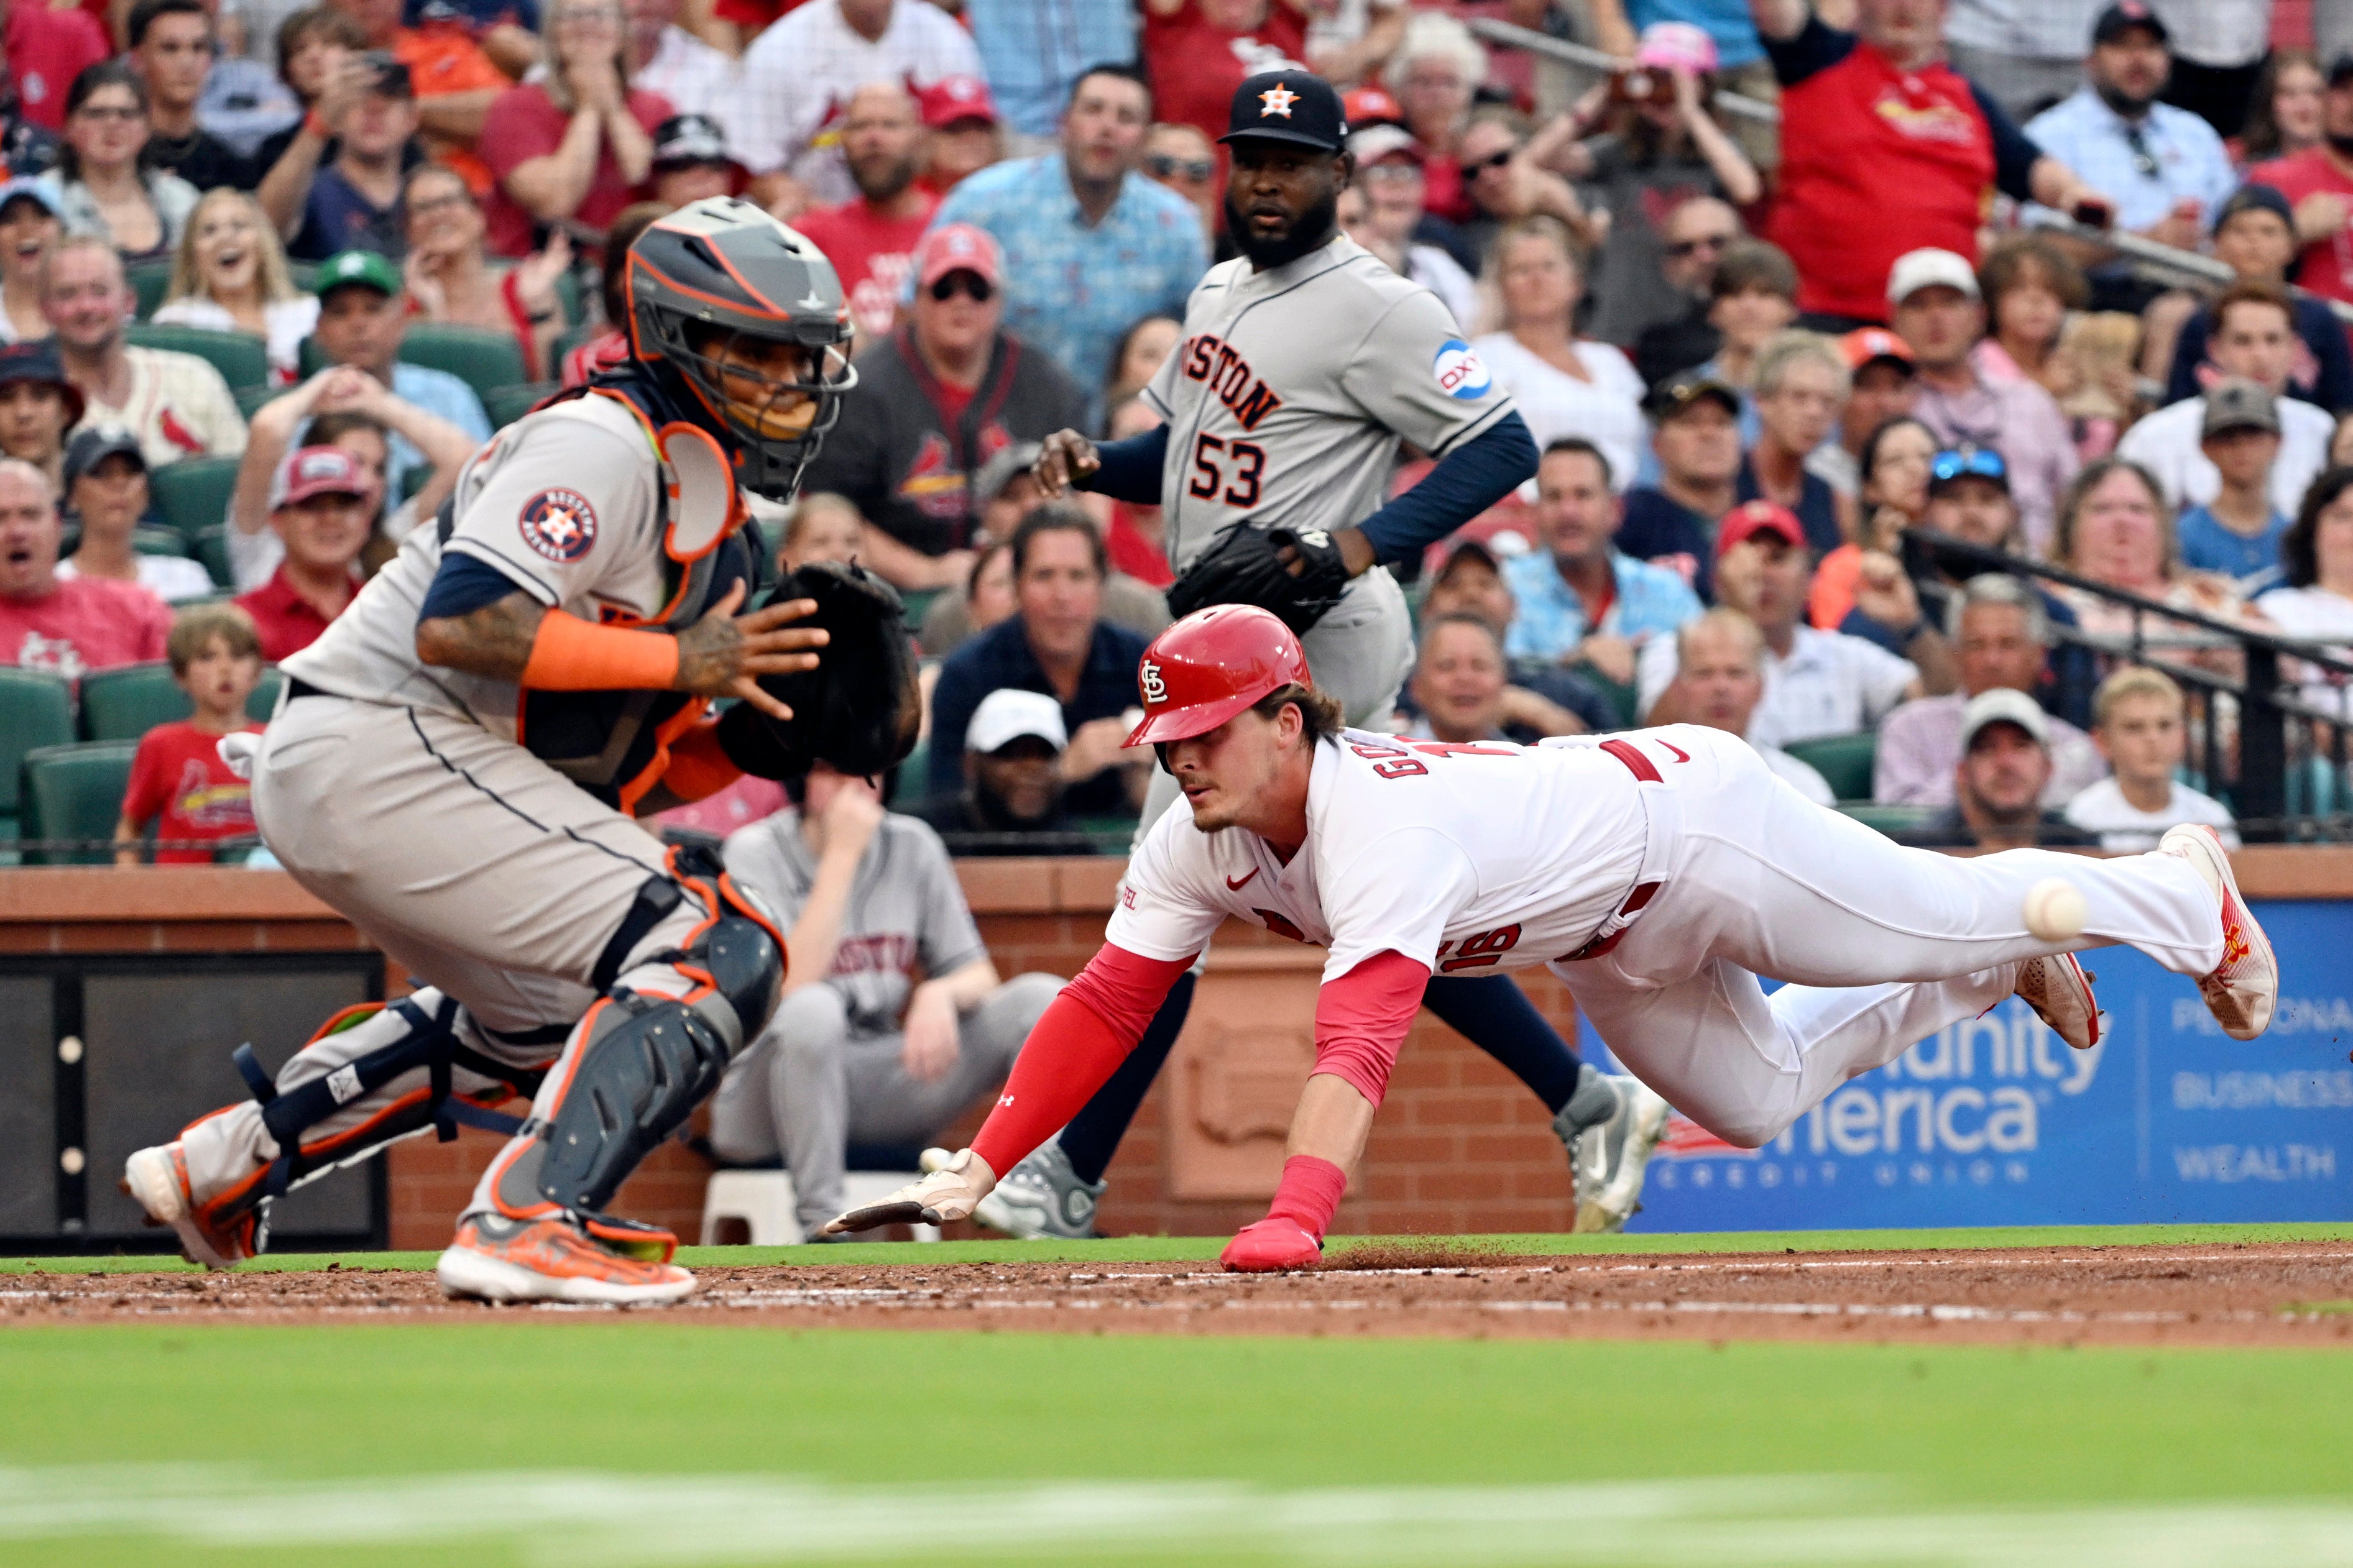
<point>971,285</point>
<point>1491,160</point>
<point>1961,462</point>
<point>2144,162</point>
<point>1161,166</point>
<point>1683,247</point>
<point>106,112</point>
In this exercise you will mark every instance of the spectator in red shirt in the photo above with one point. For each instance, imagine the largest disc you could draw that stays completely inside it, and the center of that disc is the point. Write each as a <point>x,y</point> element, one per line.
<point>962,118</point>
<point>1886,149</point>
<point>178,780</point>
<point>870,239</point>
<point>2320,181</point>
<point>1197,51</point>
<point>322,504</point>
<point>46,49</point>
<point>63,626</point>
<point>579,142</point>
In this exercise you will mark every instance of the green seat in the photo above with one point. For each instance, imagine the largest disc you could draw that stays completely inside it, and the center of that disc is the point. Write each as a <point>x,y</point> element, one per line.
<point>75,792</point>
<point>125,702</point>
<point>914,780</point>
<point>36,711</point>
<point>1623,699</point>
<point>482,359</point>
<point>1888,819</point>
<point>918,603</point>
<point>150,280</point>
<point>242,358</point>
<point>305,275</point>
<point>567,292</point>
<point>264,700</point>
<point>570,339</point>
<point>158,542</point>
<point>1843,761</point>
<point>212,549</point>
<point>192,494</point>
<point>249,399</point>
<point>505,404</point>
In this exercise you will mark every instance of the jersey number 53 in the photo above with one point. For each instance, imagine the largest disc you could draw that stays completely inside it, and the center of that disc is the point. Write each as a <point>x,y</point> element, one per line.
<point>1214,458</point>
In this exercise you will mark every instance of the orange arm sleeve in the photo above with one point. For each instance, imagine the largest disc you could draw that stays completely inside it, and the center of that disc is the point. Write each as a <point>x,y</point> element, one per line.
<point>568,654</point>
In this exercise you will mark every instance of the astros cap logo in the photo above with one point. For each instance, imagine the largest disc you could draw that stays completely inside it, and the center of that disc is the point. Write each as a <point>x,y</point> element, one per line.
<point>1277,99</point>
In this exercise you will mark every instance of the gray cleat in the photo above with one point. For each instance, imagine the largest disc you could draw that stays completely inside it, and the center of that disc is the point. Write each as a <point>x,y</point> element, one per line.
<point>1042,1197</point>
<point>1610,1125</point>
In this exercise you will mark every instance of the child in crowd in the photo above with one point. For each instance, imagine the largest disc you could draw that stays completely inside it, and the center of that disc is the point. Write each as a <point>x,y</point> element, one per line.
<point>2140,729</point>
<point>824,527</point>
<point>177,780</point>
<point>1753,296</point>
<point>2237,534</point>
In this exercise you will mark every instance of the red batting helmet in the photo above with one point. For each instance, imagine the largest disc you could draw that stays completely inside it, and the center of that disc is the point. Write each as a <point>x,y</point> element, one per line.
<point>1211,666</point>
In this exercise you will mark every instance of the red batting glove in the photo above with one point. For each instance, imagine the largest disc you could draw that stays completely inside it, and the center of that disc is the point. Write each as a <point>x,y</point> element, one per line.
<point>1272,1245</point>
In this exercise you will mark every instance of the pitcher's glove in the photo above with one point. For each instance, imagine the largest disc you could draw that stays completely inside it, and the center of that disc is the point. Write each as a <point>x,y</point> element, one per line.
<point>858,710</point>
<point>1242,567</point>
<point>948,1193</point>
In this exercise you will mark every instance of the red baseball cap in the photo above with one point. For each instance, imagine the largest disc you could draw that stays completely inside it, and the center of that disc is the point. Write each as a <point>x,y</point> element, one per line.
<point>1864,344</point>
<point>319,471</point>
<point>1749,518</point>
<point>955,98</point>
<point>956,247</point>
<point>1370,105</point>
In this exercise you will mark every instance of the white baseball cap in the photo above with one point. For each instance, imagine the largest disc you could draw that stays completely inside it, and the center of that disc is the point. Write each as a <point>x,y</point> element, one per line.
<point>1007,714</point>
<point>2002,705</point>
<point>1917,269</point>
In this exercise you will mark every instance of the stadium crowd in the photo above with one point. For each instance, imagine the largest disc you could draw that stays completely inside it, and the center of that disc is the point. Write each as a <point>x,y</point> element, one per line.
<point>270,273</point>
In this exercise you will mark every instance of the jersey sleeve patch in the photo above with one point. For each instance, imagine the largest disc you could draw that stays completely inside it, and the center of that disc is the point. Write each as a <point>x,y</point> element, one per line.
<point>558,524</point>
<point>1460,374</point>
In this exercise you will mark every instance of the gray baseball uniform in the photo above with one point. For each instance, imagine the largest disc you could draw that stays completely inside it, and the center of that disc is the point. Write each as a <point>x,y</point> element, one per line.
<point>827,1071</point>
<point>1286,400</point>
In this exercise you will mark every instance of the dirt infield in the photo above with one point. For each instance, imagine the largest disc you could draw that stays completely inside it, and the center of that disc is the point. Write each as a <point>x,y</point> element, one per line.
<point>2292,1294</point>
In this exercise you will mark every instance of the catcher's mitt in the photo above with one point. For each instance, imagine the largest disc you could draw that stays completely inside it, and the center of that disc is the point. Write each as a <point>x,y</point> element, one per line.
<point>1239,567</point>
<point>858,710</point>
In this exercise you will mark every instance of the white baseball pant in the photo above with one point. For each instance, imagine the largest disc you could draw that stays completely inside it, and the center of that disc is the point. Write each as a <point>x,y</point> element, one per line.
<point>1882,945</point>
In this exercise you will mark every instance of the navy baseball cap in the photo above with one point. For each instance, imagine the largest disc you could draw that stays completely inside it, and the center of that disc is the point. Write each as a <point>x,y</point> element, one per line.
<point>1290,105</point>
<point>2124,16</point>
<point>94,444</point>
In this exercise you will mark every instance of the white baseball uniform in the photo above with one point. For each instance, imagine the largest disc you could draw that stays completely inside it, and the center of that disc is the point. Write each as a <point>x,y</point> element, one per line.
<point>1658,873</point>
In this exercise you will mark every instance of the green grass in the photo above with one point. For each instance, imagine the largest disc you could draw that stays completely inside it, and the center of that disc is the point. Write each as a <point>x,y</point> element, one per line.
<point>1202,1248</point>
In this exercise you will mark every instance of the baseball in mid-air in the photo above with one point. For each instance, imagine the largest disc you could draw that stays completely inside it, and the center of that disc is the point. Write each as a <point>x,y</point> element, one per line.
<point>2055,910</point>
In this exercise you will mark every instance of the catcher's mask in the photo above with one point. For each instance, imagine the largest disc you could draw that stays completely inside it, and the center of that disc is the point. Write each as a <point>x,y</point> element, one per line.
<point>752,318</point>
<point>1209,666</point>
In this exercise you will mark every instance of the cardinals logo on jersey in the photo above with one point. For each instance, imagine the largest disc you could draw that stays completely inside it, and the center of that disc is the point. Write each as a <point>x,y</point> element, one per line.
<point>559,525</point>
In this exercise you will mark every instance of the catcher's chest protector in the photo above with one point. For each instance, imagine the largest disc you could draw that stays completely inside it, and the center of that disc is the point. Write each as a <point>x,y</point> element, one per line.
<point>608,741</point>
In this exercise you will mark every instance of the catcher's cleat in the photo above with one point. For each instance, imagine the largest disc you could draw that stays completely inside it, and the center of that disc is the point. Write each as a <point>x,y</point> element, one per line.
<point>2060,990</point>
<point>495,1258</point>
<point>2244,986</point>
<point>1042,1198</point>
<point>1612,1125</point>
<point>157,1180</point>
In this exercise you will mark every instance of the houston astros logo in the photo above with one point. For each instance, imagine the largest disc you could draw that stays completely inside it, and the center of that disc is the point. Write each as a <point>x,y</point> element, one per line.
<point>1156,691</point>
<point>1277,99</point>
<point>559,525</point>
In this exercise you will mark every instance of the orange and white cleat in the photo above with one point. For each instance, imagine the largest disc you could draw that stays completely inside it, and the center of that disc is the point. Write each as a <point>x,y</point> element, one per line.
<point>498,1259</point>
<point>157,1180</point>
<point>2060,990</point>
<point>2244,987</point>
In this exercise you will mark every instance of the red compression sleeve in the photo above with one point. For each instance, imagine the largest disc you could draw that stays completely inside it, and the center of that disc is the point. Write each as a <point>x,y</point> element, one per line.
<point>1361,1019</point>
<point>1308,1194</point>
<point>1077,1044</point>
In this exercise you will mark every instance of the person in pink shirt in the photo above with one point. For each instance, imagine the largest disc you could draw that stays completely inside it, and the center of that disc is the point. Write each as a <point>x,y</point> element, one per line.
<point>64,625</point>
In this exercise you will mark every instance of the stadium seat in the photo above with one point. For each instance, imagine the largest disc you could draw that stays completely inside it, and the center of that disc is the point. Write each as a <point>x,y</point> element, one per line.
<point>482,359</point>
<point>242,358</point>
<point>505,404</point>
<point>305,275</point>
<point>158,542</point>
<point>212,549</point>
<point>1845,760</point>
<point>249,399</point>
<point>125,702</point>
<point>75,792</point>
<point>264,700</point>
<point>1622,697</point>
<point>192,494</point>
<point>36,711</point>
<point>913,782</point>
<point>150,280</point>
<point>572,338</point>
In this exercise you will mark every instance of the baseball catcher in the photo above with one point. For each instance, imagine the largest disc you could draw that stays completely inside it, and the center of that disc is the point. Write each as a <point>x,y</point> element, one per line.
<point>1659,873</point>
<point>457,762</point>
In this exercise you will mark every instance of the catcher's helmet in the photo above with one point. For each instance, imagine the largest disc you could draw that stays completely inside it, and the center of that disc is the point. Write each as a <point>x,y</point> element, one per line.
<point>718,272</point>
<point>1211,666</point>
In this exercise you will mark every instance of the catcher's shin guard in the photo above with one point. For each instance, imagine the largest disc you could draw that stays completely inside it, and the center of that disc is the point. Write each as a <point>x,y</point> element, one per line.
<point>643,1062</point>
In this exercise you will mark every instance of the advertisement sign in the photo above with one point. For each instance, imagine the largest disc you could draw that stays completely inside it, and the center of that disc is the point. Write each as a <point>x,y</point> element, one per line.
<point>1996,1121</point>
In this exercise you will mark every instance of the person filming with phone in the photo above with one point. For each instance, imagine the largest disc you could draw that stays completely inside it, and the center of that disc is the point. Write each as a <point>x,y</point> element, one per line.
<point>1886,149</point>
